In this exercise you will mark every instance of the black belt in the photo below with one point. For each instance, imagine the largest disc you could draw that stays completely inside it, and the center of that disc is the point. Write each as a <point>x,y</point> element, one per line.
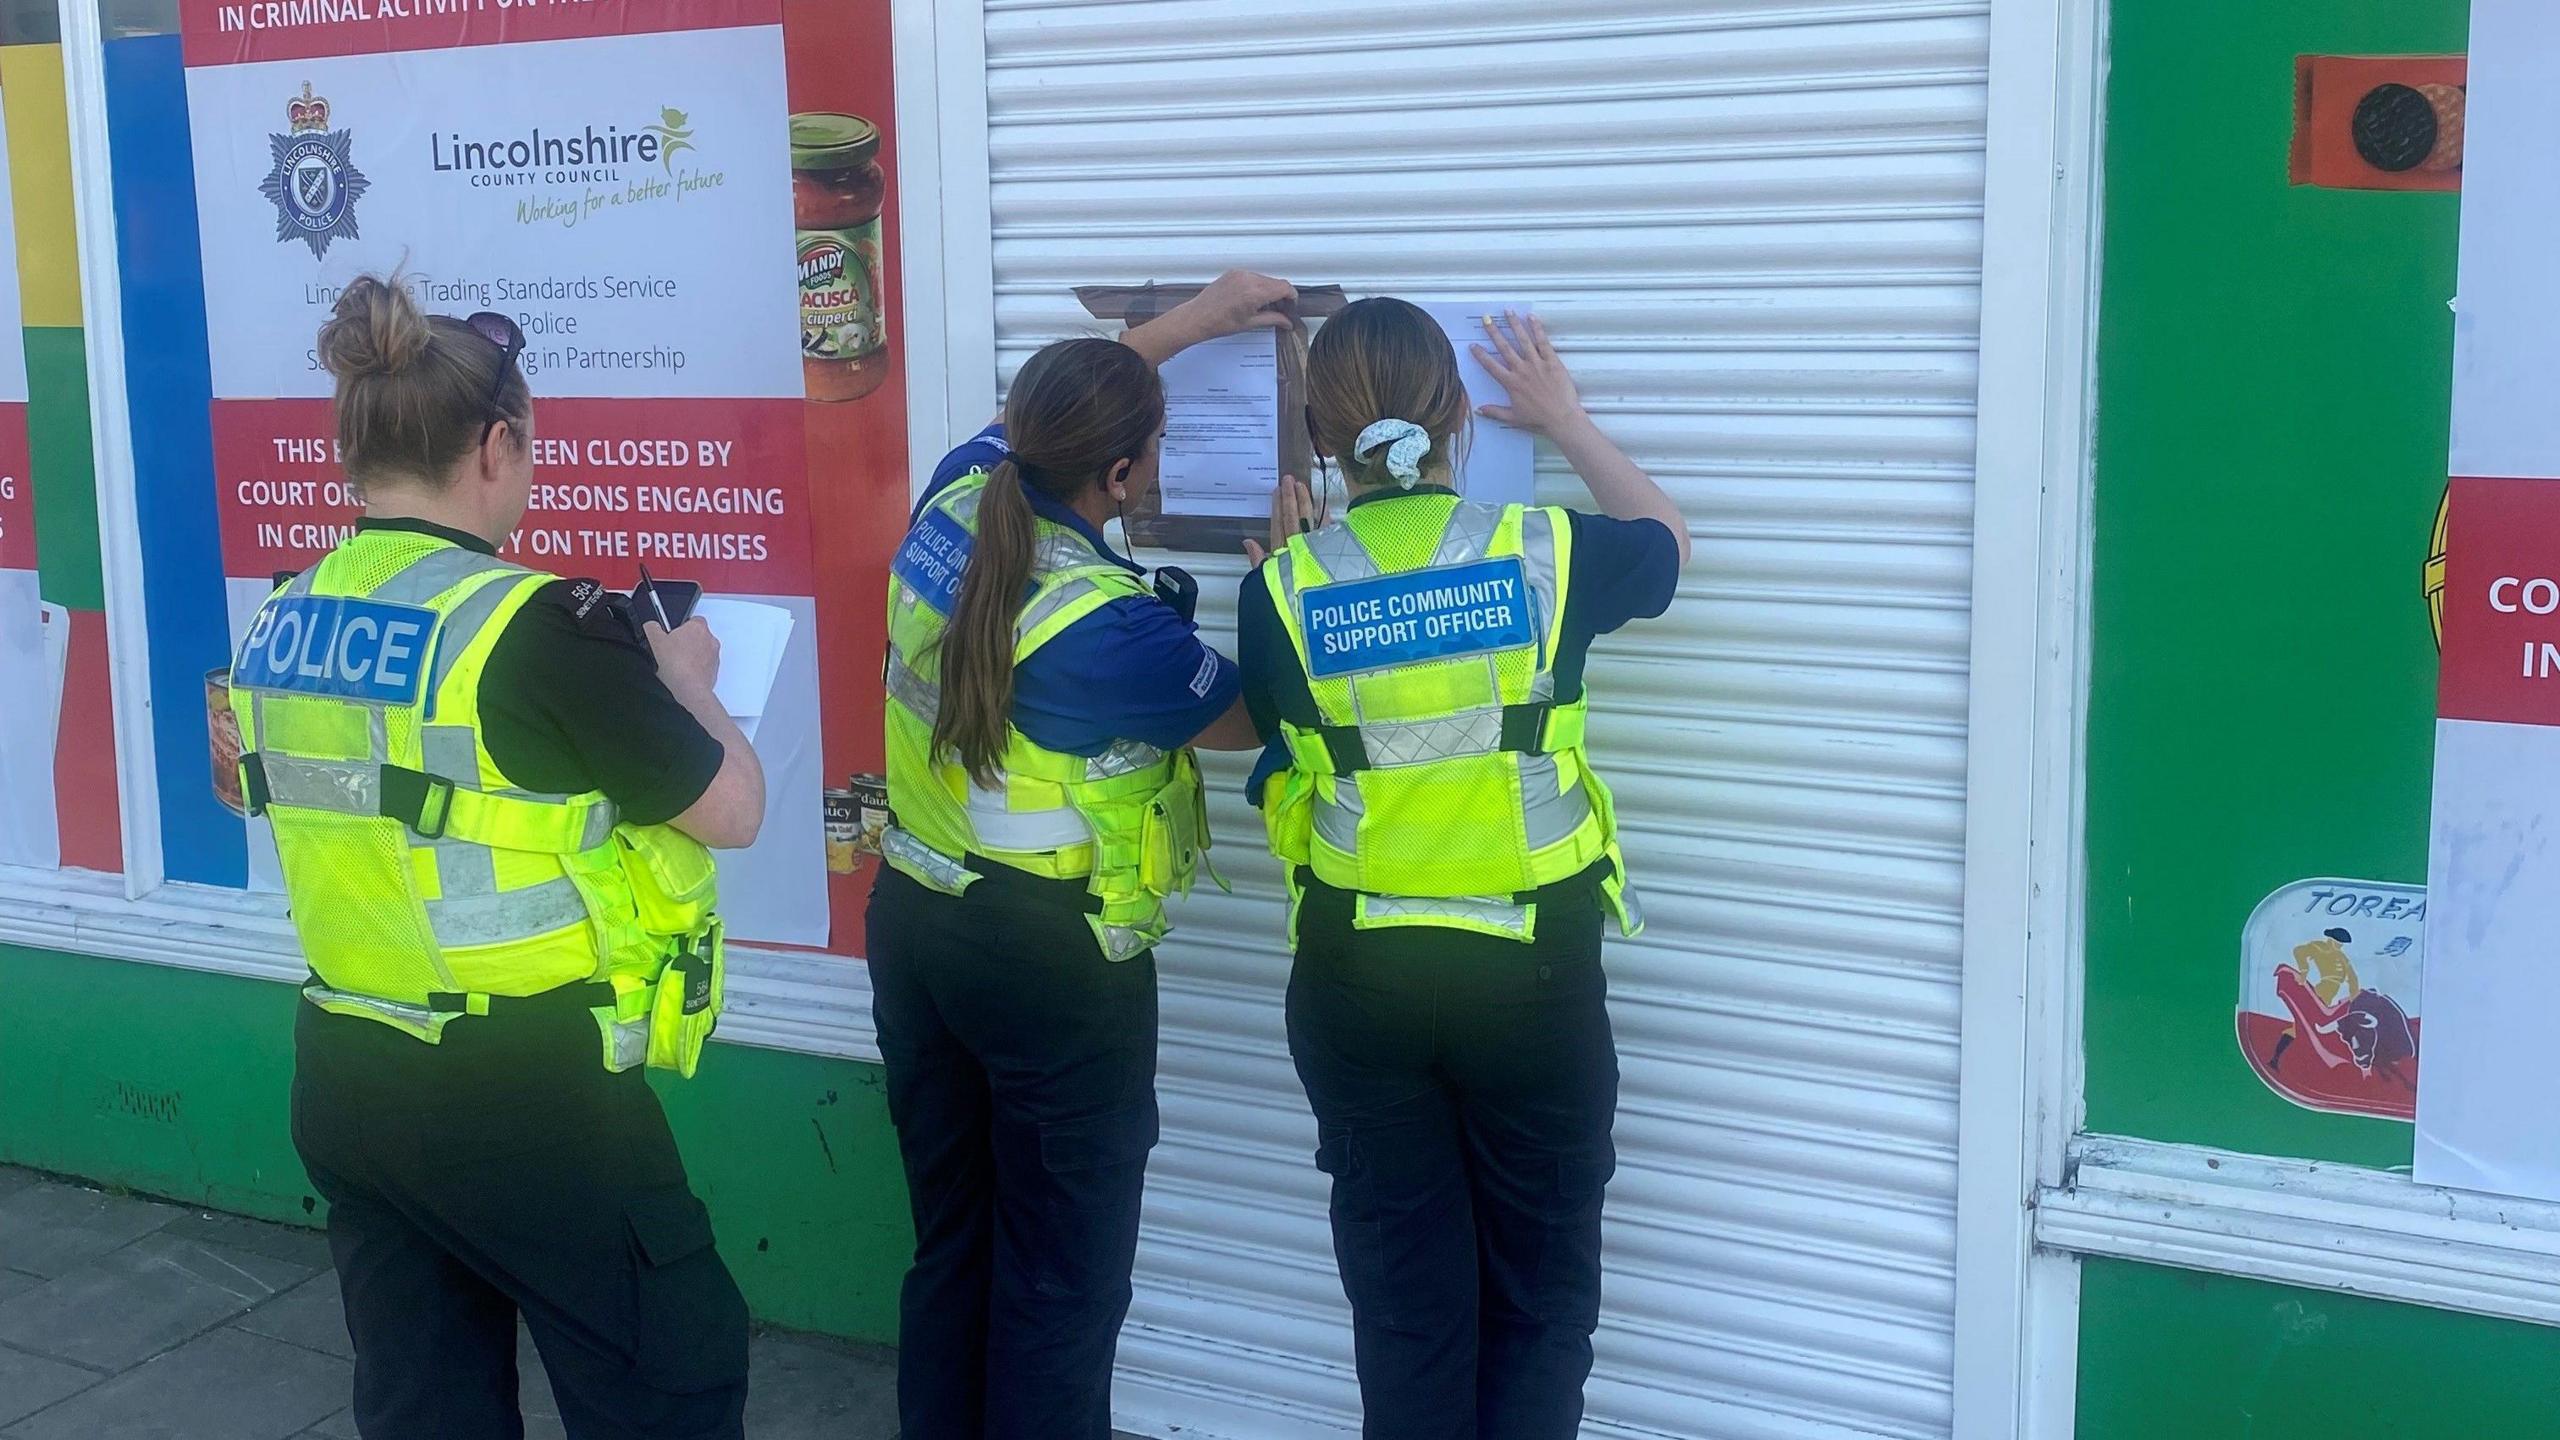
<point>1074,894</point>
<point>587,995</point>
<point>997,877</point>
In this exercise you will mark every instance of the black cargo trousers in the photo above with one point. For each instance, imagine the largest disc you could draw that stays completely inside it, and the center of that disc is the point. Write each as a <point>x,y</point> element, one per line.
<point>505,1172</point>
<point>1465,1086</point>
<point>1021,1069</point>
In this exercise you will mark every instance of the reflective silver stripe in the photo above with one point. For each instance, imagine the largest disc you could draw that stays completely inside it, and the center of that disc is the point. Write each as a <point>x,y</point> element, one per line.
<point>1538,554</point>
<point>418,1015</point>
<point>354,787</point>
<point>630,1042</point>
<point>943,872</point>
<point>1338,549</point>
<point>1339,810</point>
<point>913,690</point>
<point>1125,757</point>
<point>1468,534</point>
<point>1287,560</point>
<point>1549,813</point>
<point>999,827</point>
<point>963,507</point>
<point>1477,909</point>
<point>435,572</point>
<point>463,869</point>
<point>1633,920</point>
<point>1048,604</point>
<point>513,915</point>
<point>341,787</point>
<point>1419,742</point>
<point>1119,942</point>
<point>1063,551</point>
<point>299,584</point>
<point>452,751</point>
<point>463,624</point>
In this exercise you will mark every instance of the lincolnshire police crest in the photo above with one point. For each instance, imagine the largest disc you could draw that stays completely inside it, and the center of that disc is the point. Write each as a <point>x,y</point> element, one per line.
<point>315,185</point>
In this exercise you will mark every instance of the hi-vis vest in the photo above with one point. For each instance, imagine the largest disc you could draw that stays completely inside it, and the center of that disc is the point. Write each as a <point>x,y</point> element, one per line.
<point>423,883</point>
<point>1131,821</point>
<point>1444,785</point>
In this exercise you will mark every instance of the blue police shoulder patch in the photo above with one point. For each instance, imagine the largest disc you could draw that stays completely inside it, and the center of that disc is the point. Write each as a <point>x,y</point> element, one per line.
<point>338,648</point>
<point>933,559</point>
<point>1444,613</point>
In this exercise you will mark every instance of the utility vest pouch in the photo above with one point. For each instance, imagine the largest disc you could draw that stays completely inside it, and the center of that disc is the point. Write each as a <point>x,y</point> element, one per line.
<point>685,1005</point>
<point>1175,832</point>
<point>1289,814</point>
<point>674,880</point>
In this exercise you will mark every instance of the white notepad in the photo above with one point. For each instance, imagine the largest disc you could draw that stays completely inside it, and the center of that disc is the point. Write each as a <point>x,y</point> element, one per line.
<point>753,636</point>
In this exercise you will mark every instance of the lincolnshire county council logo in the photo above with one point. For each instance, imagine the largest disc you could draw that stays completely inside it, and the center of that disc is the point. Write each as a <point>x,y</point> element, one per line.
<point>314,184</point>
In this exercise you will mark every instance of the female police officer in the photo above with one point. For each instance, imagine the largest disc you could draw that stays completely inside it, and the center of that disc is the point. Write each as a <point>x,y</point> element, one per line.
<point>491,808</point>
<point>1452,853</point>
<point>1042,700</point>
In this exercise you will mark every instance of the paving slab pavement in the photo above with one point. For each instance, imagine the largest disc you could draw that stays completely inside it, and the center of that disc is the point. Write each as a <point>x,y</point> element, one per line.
<point>137,1319</point>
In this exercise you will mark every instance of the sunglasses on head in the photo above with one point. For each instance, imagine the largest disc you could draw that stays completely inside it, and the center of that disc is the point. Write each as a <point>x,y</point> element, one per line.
<point>503,332</point>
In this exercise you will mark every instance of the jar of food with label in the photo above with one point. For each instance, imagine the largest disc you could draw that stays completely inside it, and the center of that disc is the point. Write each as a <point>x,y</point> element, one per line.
<point>836,194</point>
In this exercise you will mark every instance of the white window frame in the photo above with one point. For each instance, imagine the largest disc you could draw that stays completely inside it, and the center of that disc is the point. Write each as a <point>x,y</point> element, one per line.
<point>2017,1308</point>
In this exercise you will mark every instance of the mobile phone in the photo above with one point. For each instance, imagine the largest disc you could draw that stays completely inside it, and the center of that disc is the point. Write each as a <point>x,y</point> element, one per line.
<point>675,597</point>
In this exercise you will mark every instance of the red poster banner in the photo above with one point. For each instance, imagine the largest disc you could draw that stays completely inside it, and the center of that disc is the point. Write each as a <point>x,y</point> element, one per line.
<point>17,492</point>
<point>2501,603</point>
<point>235,32</point>
<point>710,490</point>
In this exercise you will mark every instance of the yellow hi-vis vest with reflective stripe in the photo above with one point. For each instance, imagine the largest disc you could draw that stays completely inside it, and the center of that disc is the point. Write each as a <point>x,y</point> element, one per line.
<point>1445,785</point>
<point>423,883</point>
<point>1131,821</point>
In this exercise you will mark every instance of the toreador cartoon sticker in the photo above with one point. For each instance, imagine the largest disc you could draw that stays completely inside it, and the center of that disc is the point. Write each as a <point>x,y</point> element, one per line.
<point>2329,994</point>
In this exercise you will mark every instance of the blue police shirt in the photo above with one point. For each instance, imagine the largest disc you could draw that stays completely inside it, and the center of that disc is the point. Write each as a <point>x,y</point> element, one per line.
<point>1132,670</point>
<point>1623,570</point>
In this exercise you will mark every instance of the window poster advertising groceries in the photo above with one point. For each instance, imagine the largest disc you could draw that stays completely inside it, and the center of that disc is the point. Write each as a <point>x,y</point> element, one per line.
<point>687,205</point>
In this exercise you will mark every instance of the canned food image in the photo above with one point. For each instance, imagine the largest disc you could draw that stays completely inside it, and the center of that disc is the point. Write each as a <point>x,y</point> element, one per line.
<point>223,727</point>
<point>844,825</point>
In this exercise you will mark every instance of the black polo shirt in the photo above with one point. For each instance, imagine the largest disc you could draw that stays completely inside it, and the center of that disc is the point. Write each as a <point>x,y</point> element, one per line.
<point>571,701</point>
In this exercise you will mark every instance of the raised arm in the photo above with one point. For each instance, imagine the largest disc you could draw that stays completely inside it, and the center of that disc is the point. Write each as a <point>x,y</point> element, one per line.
<point>1236,301</point>
<point>1545,400</point>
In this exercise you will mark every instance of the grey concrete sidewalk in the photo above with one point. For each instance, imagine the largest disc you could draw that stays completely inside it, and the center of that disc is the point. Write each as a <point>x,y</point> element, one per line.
<point>129,1319</point>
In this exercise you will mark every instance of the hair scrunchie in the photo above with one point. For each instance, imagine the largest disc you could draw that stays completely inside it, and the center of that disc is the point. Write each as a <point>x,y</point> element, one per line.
<point>1405,443</point>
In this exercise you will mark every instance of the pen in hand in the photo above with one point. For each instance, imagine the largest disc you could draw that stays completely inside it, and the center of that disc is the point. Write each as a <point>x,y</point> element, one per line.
<point>654,602</point>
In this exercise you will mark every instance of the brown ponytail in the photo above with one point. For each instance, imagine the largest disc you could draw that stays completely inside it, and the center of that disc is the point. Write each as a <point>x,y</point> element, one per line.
<point>1384,359</point>
<point>413,390</point>
<point>1077,410</point>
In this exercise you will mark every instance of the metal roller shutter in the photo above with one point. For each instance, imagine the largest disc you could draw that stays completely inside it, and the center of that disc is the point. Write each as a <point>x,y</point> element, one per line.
<point>1756,224</point>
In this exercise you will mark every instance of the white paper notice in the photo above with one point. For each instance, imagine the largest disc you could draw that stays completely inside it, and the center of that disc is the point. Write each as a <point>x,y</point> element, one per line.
<point>2506,348</point>
<point>2493,904</point>
<point>1222,427</point>
<point>753,637</point>
<point>30,662</point>
<point>1498,464</point>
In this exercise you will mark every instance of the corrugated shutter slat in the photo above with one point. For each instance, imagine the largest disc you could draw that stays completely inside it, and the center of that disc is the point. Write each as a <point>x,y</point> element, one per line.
<point>1758,225</point>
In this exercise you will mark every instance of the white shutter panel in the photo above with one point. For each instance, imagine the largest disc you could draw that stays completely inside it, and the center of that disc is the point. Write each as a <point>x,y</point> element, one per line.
<point>1755,226</point>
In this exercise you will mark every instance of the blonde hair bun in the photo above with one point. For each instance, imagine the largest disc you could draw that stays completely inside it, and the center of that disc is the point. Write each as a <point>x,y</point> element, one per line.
<point>376,329</point>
